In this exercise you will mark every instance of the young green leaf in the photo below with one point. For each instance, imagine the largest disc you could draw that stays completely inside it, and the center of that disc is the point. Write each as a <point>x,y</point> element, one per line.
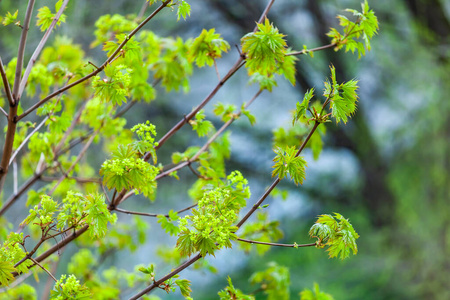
<point>264,49</point>
<point>207,47</point>
<point>315,294</point>
<point>287,163</point>
<point>10,18</point>
<point>184,10</point>
<point>337,233</point>
<point>300,112</point>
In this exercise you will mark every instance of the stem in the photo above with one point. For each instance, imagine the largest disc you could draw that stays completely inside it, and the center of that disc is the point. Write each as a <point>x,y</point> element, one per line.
<point>151,215</point>
<point>21,190</point>
<point>39,48</point>
<point>42,267</point>
<point>167,276</point>
<point>77,160</point>
<point>209,142</point>
<point>26,139</point>
<point>239,63</point>
<point>276,244</point>
<point>21,52</point>
<point>12,123</point>
<point>6,84</point>
<point>4,112</point>
<point>305,51</point>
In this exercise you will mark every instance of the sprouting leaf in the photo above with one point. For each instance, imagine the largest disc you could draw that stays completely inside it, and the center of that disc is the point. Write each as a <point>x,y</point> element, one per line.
<point>231,293</point>
<point>337,233</point>
<point>10,18</point>
<point>342,97</point>
<point>287,163</point>
<point>207,47</point>
<point>266,82</point>
<point>287,67</point>
<point>315,294</point>
<point>357,35</point>
<point>184,10</point>
<point>184,286</point>
<point>6,270</point>
<point>200,125</point>
<point>264,49</point>
<point>46,17</point>
<point>300,112</point>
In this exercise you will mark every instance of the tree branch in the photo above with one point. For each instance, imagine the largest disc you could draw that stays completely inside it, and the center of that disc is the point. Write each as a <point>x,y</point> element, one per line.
<point>26,139</point>
<point>6,85</point>
<point>12,124</point>
<point>39,48</point>
<point>276,244</point>
<point>306,51</point>
<point>209,142</point>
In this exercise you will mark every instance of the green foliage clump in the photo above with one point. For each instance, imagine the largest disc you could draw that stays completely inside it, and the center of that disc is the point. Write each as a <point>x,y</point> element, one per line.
<point>211,226</point>
<point>337,233</point>
<point>315,294</point>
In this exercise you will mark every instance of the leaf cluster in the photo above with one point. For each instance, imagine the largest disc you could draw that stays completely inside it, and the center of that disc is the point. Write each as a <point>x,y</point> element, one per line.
<point>208,46</point>
<point>357,35</point>
<point>337,233</point>
<point>342,97</point>
<point>211,226</point>
<point>287,162</point>
<point>45,16</point>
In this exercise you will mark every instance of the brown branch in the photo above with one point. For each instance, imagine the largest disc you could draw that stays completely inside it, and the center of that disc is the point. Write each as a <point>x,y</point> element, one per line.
<point>11,129</point>
<point>77,160</point>
<point>239,63</point>
<point>306,51</point>
<point>21,191</point>
<point>209,142</point>
<point>6,85</point>
<point>21,52</point>
<point>39,48</point>
<point>129,212</point>
<point>13,156</point>
<point>42,267</point>
<point>276,244</point>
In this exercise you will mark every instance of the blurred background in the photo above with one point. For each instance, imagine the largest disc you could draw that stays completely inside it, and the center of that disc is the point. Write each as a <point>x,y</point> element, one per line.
<point>387,170</point>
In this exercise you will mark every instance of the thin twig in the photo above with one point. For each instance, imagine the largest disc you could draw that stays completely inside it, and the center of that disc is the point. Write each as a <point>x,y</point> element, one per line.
<point>306,51</point>
<point>43,268</point>
<point>15,184</point>
<point>21,51</point>
<point>4,112</point>
<point>80,155</point>
<point>20,192</point>
<point>12,124</point>
<point>6,85</point>
<point>217,70</point>
<point>209,142</point>
<point>39,48</point>
<point>26,140</point>
<point>129,212</point>
<point>276,244</point>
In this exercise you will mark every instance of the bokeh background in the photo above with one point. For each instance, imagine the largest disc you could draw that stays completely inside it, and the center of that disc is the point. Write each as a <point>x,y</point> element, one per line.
<point>387,170</point>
